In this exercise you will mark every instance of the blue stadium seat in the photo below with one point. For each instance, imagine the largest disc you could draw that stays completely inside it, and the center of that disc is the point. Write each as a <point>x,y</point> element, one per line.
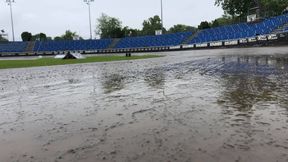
<point>229,32</point>
<point>13,47</point>
<point>243,30</point>
<point>72,45</point>
<point>154,41</point>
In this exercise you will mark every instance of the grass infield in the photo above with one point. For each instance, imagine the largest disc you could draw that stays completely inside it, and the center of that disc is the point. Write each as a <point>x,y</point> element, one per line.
<point>6,64</point>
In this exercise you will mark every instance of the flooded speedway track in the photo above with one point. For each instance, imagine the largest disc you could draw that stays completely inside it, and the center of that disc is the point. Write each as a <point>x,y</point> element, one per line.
<point>208,106</point>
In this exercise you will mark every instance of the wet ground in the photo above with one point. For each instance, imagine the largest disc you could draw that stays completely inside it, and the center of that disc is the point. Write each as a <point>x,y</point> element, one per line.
<point>194,106</point>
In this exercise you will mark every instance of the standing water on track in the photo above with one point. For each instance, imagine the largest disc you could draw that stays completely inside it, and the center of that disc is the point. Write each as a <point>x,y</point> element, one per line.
<point>209,106</point>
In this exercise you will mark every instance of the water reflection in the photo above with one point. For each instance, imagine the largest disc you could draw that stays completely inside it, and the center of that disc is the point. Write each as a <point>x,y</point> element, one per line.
<point>249,80</point>
<point>169,106</point>
<point>251,88</point>
<point>155,78</point>
<point>242,92</point>
<point>256,65</point>
<point>113,82</point>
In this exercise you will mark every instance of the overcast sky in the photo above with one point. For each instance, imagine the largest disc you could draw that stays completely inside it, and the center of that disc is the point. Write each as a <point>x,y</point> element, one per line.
<point>53,17</point>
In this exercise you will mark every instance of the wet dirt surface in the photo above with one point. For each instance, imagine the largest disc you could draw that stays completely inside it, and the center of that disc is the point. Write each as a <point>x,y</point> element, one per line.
<point>194,106</point>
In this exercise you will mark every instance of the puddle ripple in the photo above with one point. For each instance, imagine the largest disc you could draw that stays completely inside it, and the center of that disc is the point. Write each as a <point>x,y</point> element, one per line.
<point>220,106</point>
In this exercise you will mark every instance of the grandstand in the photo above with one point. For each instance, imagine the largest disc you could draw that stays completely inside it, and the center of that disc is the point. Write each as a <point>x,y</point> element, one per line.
<point>13,47</point>
<point>243,30</point>
<point>154,41</point>
<point>42,46</point>
<point>231,34</point>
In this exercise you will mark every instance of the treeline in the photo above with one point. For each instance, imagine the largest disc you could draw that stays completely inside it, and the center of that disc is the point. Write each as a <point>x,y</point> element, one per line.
<point>2,39</point>
<point>240,9</point>
<point>68,35</point>
<point>224,20</point>
<point>26,36</point>
<point>111,27</point>
<point>235,11</point>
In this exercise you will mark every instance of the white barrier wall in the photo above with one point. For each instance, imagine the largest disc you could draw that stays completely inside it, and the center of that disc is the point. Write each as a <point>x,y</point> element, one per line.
<point>215,44</point>
<point>262,38</point>
<point>229,43</point>
<point>188,46</point>
<point>272,37</point>
<point>253,39</point>
<point>175,47</point>
<point>202,45</point>
<point>243,41</point>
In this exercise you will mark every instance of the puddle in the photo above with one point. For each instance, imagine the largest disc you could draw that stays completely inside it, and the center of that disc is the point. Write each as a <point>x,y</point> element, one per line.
<point>220,106</point>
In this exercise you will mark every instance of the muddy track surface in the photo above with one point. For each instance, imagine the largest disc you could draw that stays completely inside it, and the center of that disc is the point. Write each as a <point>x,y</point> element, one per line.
<point>209,106</point>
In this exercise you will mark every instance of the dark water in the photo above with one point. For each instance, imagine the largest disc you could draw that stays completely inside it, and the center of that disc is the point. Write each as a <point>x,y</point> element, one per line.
<point>216,106</point>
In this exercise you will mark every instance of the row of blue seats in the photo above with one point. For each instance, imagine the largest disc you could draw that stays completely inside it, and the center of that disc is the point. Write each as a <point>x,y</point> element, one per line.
<point>72,45</point>
<point>242,30</point>
<point>154,41</point>
<point>13,47</point>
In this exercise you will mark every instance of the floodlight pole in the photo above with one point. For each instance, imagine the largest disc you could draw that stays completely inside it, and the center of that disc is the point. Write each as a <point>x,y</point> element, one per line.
<point>90,20</point>
<point>11,14</point>
<point>162,24</point>
<point>88,2</point>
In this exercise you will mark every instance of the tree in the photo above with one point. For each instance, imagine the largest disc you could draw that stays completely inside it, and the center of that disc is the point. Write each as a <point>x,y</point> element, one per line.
<point>215,24</point>
<point>2,39</point>
<point>151,25</point>
<point>109,27</point>
<point>128,32</point>
<point>235,7</point>
<point>39,37</point>
<point>204,25</point>
<point>182,28</point>
<point>69,35</point>
<point>58,38</point>
<point>42,36</point>
<point>224,20</point>
<point>26,36</point>
<point>274,7</point>
<point>241,8</point>
<point>116,33</point>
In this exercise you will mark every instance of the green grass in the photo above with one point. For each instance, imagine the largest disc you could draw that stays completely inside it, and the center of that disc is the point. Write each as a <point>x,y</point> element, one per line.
<point>6,64</point>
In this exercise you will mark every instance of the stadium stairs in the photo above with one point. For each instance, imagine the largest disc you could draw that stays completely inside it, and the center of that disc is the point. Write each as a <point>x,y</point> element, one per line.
<point>30,46</point>
<point>114,43</point>
<point>281,29</point>
<point>191,38</point>
<point>165,40</point>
